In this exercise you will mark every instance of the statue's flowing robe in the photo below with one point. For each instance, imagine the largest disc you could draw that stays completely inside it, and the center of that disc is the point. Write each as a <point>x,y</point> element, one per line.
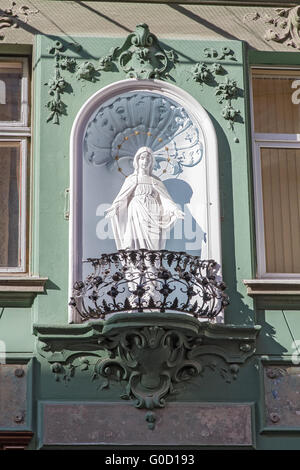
<point>144,212</point>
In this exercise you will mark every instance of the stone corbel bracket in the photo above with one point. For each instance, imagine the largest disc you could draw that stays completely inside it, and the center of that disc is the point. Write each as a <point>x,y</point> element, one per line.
<point>149,352</point>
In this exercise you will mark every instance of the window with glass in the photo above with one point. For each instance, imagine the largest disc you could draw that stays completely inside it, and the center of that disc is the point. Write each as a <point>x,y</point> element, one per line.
<point>14,144</point>
<point>276,128</point>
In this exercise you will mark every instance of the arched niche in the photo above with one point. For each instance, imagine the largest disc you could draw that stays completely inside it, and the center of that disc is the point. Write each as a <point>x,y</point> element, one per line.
<point>182,136</point>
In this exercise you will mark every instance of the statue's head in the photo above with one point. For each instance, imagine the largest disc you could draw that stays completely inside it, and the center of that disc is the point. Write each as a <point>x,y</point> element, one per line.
<point>144,159</point>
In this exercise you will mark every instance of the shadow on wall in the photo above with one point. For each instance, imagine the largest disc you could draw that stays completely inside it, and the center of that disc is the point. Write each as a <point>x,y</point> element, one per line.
<point>186,235</point>
<point>267,342</point>
<point>203,22</point>
<point>238,312</point>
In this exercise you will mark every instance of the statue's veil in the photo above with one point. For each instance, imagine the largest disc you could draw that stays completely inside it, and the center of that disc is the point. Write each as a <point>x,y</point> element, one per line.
<point>137,155</point>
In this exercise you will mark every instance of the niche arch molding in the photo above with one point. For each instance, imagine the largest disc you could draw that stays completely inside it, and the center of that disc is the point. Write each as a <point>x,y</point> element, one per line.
<point>201,118</point>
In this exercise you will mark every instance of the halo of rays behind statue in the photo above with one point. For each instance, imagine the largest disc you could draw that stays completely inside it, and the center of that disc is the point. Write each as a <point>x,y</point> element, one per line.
<point>129,121</point>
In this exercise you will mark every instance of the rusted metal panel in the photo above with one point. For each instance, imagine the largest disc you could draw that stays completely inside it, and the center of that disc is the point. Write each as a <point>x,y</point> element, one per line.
<point>282,396</point>
<point>177,424</point>
<point>12,395</point>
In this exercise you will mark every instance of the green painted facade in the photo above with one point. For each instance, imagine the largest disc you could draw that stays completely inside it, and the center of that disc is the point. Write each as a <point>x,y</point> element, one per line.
<point>278,316</point>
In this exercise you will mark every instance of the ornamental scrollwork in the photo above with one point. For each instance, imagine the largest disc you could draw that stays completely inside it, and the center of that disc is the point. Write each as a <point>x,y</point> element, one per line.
<point>139,280</point>
<point>102,369</point>
<point>285,25</point>
<point>141,56</point>
<point>151,360</point>
<point>10,17</point>
<point>151,355</point>
<point>156,358</point>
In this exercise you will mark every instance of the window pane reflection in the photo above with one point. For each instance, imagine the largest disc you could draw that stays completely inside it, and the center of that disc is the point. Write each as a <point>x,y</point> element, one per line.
<point>10,203</point>
<point>275,99</point>
<point>10,91</point>
<point>281,201</point>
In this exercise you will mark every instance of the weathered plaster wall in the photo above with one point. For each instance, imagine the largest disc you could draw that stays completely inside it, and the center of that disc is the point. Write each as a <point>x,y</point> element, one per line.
<point>173,20</point>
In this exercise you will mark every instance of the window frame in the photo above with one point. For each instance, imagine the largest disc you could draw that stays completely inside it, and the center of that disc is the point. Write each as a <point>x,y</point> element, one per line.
<point>20,131</point>
<point>266,140</point>
<point>22,125</point>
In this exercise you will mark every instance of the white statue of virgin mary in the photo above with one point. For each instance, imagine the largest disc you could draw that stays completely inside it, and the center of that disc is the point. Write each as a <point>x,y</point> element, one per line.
<point>143,211</point>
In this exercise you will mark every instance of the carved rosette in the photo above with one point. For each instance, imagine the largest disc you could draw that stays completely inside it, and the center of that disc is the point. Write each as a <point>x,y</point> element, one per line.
<point>148,353</point>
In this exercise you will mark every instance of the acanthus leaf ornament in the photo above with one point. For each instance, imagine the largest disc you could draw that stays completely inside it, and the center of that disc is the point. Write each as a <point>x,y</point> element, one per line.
<point>285,25</point>
<point>106,63</point>
<point>141,56</point>
<point>10,17</point>
<point>152,354</point>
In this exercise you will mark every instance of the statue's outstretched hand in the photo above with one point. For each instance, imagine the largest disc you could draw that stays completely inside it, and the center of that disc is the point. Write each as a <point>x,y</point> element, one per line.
<point>110,212</point>
<point>179,214</point>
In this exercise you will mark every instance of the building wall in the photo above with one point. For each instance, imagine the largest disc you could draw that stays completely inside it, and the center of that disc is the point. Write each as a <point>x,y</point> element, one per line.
<point>188,30</point>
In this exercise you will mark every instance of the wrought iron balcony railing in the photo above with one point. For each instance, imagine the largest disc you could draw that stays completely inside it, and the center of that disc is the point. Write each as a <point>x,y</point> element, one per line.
<point>144,280</point>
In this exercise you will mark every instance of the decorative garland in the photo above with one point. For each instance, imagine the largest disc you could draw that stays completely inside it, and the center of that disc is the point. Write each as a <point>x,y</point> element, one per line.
<point>209,73</point>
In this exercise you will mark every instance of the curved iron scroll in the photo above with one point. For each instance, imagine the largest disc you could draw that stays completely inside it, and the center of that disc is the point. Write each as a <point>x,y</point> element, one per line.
<point>145,280</point>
